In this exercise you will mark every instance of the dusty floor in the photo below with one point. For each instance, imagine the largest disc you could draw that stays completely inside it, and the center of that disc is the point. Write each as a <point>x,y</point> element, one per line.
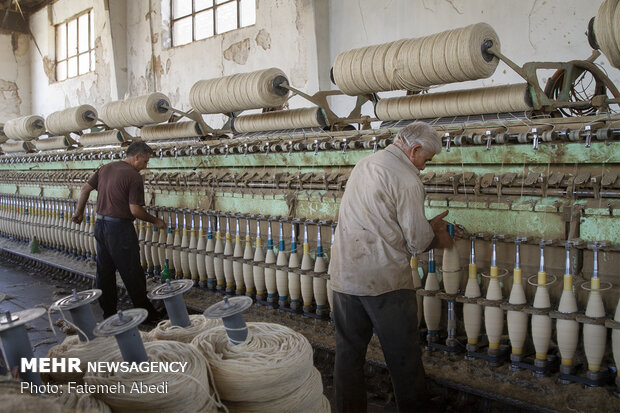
<point>26,288</point>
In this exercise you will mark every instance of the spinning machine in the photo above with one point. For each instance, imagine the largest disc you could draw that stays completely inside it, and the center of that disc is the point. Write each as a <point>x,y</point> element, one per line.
<point>529,170</point>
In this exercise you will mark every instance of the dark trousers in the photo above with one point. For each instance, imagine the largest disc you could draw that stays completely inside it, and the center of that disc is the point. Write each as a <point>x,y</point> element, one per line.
<point>394,319</point>
<point>118,249</point>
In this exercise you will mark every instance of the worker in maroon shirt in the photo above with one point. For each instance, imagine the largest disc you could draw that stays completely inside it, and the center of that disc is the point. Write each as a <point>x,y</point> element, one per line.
<point>120,200</point>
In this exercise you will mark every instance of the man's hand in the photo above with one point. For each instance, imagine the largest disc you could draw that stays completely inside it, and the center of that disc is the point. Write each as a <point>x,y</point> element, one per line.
<point>159,223</point>
<point>78,217</point>
<point>438,222</point>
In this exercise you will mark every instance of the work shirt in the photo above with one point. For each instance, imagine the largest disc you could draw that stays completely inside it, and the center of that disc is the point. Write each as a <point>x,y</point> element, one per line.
<point>380,223</point>
<point>118,184</point>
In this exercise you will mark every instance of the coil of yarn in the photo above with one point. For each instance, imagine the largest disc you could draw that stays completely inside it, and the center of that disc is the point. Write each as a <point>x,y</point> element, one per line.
<point>307,398</point>
<point>607,30</point>
<point>54,142</point>
<point>11,147</point>
<point>499,99</point>
<point>242,91</point>
<point>14,400</point>
<point>198,324</point>
<point>272,363</point>
<point>83,403</point>
<point>109,137</point>
<point>190,391</point>
<point>137,111</point>
<point>279,120</point>
<point>73,119</point>
<point>95,350</point>
<point>25,128</point>
<point>171,131</point>
<point>416,64</point>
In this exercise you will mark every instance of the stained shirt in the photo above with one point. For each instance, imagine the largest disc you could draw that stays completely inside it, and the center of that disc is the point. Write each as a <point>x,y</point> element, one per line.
<point>380,223</point>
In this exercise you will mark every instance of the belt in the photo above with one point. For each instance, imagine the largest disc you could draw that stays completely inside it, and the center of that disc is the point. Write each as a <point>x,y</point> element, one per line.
<point>113,219</point>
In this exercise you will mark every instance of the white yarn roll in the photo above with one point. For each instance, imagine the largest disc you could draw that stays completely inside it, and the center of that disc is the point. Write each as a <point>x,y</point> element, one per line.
<point>25,128</point>
<point>137,111</point>
<point>281,119</point>
<point>55,142</point>
<point>274,362</point>
<point>242,91</point>
<point>191,391</point>
<point>198,324</point>
<point>415,64</point>
<point>307,398</point>
<point>109,137</point>
<point>607,31</point>
<point>506,98</point>
<point>73,119</point>
<point>83,403</point>
<point>10,147</point>
<point>171,131</point>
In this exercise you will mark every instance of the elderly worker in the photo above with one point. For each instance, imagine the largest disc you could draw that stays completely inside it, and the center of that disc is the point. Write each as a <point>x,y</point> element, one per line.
<point>120,199</point>
<point>380,224</point>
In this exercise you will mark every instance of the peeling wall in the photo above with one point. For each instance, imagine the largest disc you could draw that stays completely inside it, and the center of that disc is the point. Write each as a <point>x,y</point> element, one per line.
<point>15,98</point>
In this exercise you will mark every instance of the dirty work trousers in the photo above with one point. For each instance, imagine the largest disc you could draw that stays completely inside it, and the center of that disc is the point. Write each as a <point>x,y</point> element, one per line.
<point>118,249</point>
<point>393,316</point>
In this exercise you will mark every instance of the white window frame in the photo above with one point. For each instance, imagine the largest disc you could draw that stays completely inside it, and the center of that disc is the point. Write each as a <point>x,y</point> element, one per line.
<point>90,52</point>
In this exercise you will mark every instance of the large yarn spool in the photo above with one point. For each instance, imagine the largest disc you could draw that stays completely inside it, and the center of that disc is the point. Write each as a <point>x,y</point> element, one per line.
<point>91,351</point>
<point>282,119</point>
<point>55,142</point>
<point>14,400</point>
<point>138,111</point>
<point>415,64</point>
<point>607,30</point>
<point>11,147</point>
<point>254,90</point>
<point>25,128</point>
<point>171,130</point>
<point>109,137</point>
<point>166,331</point>
<point>190,391</point>
<point>73,119</point>
<point>274,362</point>
<point>506,98</point>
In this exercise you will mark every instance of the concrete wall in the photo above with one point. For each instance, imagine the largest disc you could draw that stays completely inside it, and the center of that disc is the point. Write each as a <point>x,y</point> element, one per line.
<point>302,37</point>
<point>15,98</point>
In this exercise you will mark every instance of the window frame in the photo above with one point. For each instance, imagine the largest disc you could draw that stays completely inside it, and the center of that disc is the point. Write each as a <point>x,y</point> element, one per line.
<point>193,14</point>
<point>90,50</point>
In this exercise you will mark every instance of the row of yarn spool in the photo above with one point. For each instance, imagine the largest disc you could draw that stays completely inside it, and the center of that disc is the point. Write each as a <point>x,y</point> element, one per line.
<point>280,120</point>
<point>137,111</point>
<point>271,369</point>
<point>254,90</point>
<point>507,98</point>
<point>607,30</point>
<point>171,130</point>
<point>416,64</point>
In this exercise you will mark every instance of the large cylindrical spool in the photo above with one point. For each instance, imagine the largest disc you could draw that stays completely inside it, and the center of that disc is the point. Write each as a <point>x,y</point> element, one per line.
<point>55,142</point>
<point>189,129</point>
<point>506,98</point>
<point>109,137</point>
<point>11,147</point>
<point>254,90</point>
<point>279,120</point>
<point>25,128</point>
<point>607,31</point>
<point>415,64</point>
<point>138,111</point>
<point>73,119</point>
<point>432,304</point>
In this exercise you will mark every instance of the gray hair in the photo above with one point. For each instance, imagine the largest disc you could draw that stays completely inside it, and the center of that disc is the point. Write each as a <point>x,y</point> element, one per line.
<point>419,133</point>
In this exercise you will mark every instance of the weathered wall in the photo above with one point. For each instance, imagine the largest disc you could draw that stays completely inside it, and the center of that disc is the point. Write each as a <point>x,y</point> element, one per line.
<point>529,30</point>
<point>14,76</point>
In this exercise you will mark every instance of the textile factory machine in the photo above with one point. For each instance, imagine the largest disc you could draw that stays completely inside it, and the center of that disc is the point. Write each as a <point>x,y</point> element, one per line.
<point>530,171</point>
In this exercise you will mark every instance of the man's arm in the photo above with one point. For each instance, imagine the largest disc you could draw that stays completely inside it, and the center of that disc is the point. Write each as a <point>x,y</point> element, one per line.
<point>140,213</point>
<point>78,215</point>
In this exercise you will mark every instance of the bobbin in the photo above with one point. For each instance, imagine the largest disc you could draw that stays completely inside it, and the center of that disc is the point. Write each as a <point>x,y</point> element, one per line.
<point>172,294</point>
<point>79,309</point>
<point>230,311</point>
<point>124,327</point>
<point>15,342</point>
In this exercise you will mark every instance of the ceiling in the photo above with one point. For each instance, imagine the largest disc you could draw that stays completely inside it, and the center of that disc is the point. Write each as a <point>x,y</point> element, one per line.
<point>14,14</point>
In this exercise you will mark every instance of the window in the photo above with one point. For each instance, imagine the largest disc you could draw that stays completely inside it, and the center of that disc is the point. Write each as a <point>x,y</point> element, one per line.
<point>75,46</point>
<point>193,20</point>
